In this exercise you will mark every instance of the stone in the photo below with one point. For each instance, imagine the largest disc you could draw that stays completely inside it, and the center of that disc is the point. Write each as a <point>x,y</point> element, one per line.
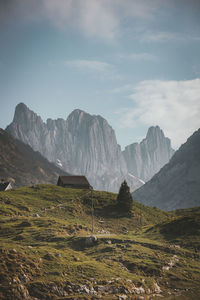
<point>109,242</point>
<point>13,251</point>
<point>122,297</point>
<point>36,215</point>
<point>157,289</point>
<point>49,256</point>
<point>91,240</point>
<point>58,255</point>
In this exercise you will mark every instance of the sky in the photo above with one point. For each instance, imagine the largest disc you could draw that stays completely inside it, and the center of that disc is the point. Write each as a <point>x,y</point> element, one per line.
<point>135,63</point>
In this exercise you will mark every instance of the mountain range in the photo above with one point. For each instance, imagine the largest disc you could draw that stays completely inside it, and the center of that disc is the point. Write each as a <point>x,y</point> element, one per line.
<point>86,144</point>
<point>177,184</point>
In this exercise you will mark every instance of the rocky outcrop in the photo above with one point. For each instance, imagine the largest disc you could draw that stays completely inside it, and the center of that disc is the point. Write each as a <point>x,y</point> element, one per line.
<point>83,144</point>
<point>146,158</point>
<point>177,184</point>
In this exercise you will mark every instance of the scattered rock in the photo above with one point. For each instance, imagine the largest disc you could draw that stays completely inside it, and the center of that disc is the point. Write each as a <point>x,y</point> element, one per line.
<point>165,268</point>
<point>90,241</point>
<point>13,251</point>
<point>170,264</point>
<point>122,297</point>
<point>49,256</point>
<point>76,259</point>
<point>58,255</point>
<point>23,278</point>
<point>139,290</point>
<point>157,289</point>
<point>109,242</point>
<point>36,215</point>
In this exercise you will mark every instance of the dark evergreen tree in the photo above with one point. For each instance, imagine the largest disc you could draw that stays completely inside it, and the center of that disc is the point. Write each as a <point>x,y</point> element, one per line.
<point>124,198</point>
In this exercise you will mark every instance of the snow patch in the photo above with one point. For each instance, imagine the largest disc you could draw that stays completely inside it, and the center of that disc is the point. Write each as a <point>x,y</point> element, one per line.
<point>59,163</point>
<point>131,175</point>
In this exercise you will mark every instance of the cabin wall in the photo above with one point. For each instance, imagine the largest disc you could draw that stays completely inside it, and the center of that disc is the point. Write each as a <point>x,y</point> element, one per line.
<point>74,186</point>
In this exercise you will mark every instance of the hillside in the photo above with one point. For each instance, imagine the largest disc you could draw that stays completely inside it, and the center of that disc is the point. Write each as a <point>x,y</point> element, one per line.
<point>177,184</point>
<point>24,166</point>
<point>46,252</point>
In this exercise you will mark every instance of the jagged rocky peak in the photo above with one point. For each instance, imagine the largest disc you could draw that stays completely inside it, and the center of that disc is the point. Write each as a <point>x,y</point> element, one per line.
<point>83,144</point>
<point>177,184</point>
<point>155,134</point>
<point>148,157</point>
<point>79,117</point>
<point>28,127</point>
<point>78,114</point>
<point>23,113</point>
<point>20,110</point>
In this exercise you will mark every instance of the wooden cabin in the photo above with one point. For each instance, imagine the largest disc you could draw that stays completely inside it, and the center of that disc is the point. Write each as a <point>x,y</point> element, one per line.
<point>77,182</point>
<point>5,186</point>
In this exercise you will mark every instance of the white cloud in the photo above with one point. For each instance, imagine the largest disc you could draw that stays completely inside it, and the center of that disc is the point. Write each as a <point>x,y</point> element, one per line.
<point>93,18</point>
<point>103,19</point>
<point>173,105</point>
<point>98,18</point>
<point>166,36</point>
<point>138,56</point>
<point>160,36</point>
<point>100,68</point>
<point>89,65</point>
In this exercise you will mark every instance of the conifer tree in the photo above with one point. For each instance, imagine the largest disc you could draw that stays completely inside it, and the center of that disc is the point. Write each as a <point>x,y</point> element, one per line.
<point>124,198</point>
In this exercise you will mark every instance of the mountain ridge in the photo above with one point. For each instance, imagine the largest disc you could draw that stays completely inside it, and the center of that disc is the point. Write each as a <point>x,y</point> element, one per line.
<point>177,184</point>
<point>83,144</point>
<point>146,158</point>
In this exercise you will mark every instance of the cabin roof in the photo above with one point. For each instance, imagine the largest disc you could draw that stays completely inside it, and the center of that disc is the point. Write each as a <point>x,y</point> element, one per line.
<point>74,180</point>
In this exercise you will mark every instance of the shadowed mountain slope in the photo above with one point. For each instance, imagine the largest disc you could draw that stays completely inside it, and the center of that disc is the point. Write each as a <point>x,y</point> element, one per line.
<point>19,163</point>
<point>177,184</point>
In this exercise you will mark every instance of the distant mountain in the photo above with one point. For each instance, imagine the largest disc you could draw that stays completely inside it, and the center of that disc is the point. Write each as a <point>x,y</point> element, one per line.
<point>86,144</point>
<point>19,163</point>
<point>82,144</point>
<point>147,158</point>
<point>177,185</point>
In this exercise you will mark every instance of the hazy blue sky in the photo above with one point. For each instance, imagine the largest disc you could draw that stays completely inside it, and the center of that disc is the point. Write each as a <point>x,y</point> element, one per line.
<point>136,63</point>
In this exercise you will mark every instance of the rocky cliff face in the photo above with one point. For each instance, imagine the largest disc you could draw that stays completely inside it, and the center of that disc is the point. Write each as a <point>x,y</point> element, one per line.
<point>83,144</point>
<point>177,185</point>
<point>86,144</point>
<point>147,158</point>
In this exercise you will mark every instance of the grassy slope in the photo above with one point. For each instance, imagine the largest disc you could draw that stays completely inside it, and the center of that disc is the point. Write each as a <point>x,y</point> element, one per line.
<point>51,251</point>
